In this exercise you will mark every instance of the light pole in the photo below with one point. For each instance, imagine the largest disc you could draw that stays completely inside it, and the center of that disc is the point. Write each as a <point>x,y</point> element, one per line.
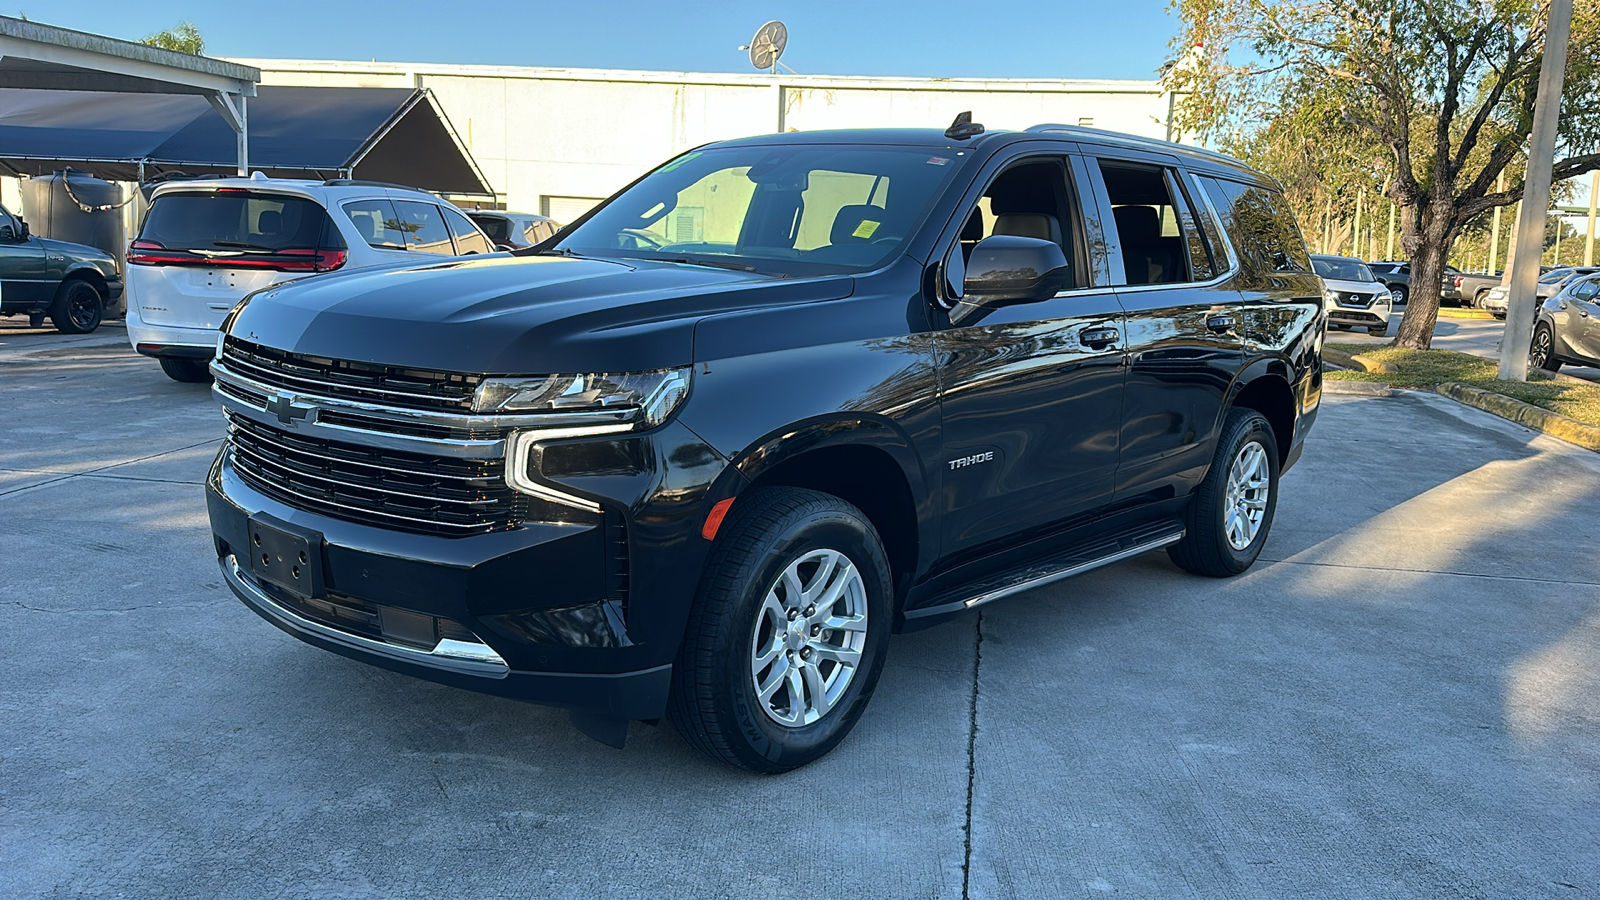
<point>1535,196</point>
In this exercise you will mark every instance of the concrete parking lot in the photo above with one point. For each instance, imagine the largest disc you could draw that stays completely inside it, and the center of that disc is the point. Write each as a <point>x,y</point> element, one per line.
<point>1401,700</point>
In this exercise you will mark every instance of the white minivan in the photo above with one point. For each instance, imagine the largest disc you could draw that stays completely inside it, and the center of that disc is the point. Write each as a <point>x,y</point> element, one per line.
<point>205,244</point>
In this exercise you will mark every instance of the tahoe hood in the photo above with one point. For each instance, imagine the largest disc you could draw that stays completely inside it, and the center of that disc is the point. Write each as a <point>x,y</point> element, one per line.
<point>506,315</point>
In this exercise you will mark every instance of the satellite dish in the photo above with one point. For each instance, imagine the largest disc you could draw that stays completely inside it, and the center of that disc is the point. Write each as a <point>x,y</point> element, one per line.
<point>768,44</point>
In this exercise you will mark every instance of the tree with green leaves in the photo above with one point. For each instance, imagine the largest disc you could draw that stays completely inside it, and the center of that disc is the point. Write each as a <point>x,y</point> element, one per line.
<point>1443,90</point>
<point>183,37</point>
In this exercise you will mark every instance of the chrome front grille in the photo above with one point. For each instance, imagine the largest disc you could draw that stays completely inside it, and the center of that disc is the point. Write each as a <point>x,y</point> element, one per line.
<point>347,380</point>
<point>374,485</point>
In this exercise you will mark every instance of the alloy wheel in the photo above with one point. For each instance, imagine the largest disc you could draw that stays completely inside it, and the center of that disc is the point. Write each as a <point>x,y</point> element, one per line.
<point>1540,354</point>
<point>1244,505</point>
<point>808,639</point>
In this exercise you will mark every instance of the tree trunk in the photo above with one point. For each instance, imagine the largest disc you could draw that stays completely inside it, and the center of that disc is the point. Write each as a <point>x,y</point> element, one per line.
<point>1428,241</point>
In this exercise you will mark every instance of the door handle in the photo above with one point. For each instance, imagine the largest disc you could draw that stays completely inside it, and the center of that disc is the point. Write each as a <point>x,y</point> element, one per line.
<point>1220,324</point>
<point>1099,338</point>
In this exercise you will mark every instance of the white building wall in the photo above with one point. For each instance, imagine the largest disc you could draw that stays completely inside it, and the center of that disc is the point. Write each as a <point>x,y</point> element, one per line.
<point>539,134</point>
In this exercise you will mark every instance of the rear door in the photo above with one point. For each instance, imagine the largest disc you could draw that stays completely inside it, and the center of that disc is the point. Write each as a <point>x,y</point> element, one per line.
<point>199,253</point>
<point>1584,303</point>
<point>1031,393</point>
<point>1184,320</point>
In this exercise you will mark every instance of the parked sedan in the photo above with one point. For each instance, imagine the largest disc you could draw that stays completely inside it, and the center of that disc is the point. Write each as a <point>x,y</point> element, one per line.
<point>1550,284</point>
<point>1568,327</point>
<point>1352,295</point>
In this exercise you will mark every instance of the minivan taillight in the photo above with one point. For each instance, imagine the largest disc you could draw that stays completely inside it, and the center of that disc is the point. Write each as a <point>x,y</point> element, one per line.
<point>150,253</point>
<point>313,260</point>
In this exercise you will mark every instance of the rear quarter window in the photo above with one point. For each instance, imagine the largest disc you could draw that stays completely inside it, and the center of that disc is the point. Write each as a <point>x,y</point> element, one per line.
<point>377,222</point>
<point>1266,233</point>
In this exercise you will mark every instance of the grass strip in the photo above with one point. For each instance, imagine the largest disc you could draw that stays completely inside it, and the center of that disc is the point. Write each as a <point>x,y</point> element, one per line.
<point>1427,369</point>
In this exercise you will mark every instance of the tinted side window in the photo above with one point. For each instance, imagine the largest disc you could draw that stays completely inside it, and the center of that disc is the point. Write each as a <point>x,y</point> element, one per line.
<point>424,227</point>
<point>468,238</point>
<point>1586,291</point>
<point>1269,238</point>
<point>1158,238</point>
<point>495,227</point>
<point>377,222</point>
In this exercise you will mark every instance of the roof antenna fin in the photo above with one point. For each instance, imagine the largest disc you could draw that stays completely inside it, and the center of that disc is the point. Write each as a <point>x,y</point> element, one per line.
<point>963,127</point>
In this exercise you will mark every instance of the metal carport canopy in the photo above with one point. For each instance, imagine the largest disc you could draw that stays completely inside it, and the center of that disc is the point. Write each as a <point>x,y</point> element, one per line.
<point>44,57</point>
<point>380,134</point>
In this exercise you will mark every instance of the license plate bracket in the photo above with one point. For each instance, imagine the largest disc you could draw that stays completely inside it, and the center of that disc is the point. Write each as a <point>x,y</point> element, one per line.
<point>286,555</point>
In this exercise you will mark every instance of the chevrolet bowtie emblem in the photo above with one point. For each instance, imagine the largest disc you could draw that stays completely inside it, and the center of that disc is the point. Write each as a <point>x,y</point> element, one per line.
<point>283,406</point>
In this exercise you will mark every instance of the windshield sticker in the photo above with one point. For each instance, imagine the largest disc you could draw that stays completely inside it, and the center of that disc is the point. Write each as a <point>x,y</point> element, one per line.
<point>938,160</point>
<point>865,229</point>
<point>678,162</point>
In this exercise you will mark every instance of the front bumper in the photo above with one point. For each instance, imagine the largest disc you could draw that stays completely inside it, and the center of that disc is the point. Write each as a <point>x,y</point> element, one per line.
<point>503,601</point>
<point>1349,315</point>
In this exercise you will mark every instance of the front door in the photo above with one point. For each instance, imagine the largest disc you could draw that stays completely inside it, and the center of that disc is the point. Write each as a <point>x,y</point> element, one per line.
<point>1031,393</point>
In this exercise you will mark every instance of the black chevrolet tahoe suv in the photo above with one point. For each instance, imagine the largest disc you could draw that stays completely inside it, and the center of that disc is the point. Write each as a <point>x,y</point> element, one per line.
<point>696,455</point>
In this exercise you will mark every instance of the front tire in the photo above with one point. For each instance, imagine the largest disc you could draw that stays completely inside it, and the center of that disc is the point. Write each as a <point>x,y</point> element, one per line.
<point>1231,512</point>
<point>787,635</point>
<point>188,371</point>
<point>77,308</point>
<point>1378,330</point>
<point>1400,294</point>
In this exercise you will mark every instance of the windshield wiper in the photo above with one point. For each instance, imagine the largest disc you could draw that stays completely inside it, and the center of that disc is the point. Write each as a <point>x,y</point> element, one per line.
<point>713,263</point>
<point>561,251</point>
<point>243,245</point>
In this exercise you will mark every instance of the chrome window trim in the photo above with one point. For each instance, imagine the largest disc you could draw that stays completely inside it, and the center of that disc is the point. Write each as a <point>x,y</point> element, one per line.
<point>1215,281</point>
<point>463,657</point>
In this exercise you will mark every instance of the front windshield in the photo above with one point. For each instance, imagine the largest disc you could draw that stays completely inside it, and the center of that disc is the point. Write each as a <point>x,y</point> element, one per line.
<point>1342,269</point>
<point>786,210</point>
<point>1553,277</point>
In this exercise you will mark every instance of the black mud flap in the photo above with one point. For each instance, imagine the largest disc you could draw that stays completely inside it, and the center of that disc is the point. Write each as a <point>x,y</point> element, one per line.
<point>608,730</point>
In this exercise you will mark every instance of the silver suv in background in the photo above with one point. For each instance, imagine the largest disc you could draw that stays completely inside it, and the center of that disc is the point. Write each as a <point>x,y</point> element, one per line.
<point>206,244</point>
<point>513,230</point>
<point>1352,295</point>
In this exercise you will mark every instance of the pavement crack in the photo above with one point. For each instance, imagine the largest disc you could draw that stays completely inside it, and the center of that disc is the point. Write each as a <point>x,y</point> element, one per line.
<point>972,750</point>
<point>1489,575</point>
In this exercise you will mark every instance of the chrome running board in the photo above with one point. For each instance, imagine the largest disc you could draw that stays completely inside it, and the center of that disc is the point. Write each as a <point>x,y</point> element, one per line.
<point>1028,577</point>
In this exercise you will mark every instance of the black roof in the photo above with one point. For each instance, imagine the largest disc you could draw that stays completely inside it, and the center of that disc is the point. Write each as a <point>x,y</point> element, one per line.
<point>1193,157</point>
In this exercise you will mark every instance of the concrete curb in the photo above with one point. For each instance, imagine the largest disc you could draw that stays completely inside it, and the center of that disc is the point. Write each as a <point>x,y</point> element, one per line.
<point>1465,314</point>
<point>1543,420</point>
<point>1357,361</point>
<point>1363,388</point>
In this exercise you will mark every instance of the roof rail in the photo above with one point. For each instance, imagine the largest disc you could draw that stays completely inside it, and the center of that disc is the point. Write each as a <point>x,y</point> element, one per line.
<point>356,182</point>
<point>1102,134</point>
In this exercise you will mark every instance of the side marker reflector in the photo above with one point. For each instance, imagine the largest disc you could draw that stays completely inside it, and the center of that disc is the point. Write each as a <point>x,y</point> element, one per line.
<point>714,519</point>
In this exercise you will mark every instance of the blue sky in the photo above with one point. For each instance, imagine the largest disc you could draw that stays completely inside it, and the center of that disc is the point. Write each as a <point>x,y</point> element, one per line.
<point>935,38</point>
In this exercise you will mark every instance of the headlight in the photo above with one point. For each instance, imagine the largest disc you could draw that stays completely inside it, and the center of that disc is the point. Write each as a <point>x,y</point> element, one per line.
<point>649,396</point>
<point>566,407</point>
<point>1383,298</point>
<point>1330,296</point>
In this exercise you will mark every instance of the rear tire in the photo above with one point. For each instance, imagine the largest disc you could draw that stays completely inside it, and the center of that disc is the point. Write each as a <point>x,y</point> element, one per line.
<point>1230,515</point>
<point>757,683</point>
<point>77,308</point>
<point>188,371</point>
